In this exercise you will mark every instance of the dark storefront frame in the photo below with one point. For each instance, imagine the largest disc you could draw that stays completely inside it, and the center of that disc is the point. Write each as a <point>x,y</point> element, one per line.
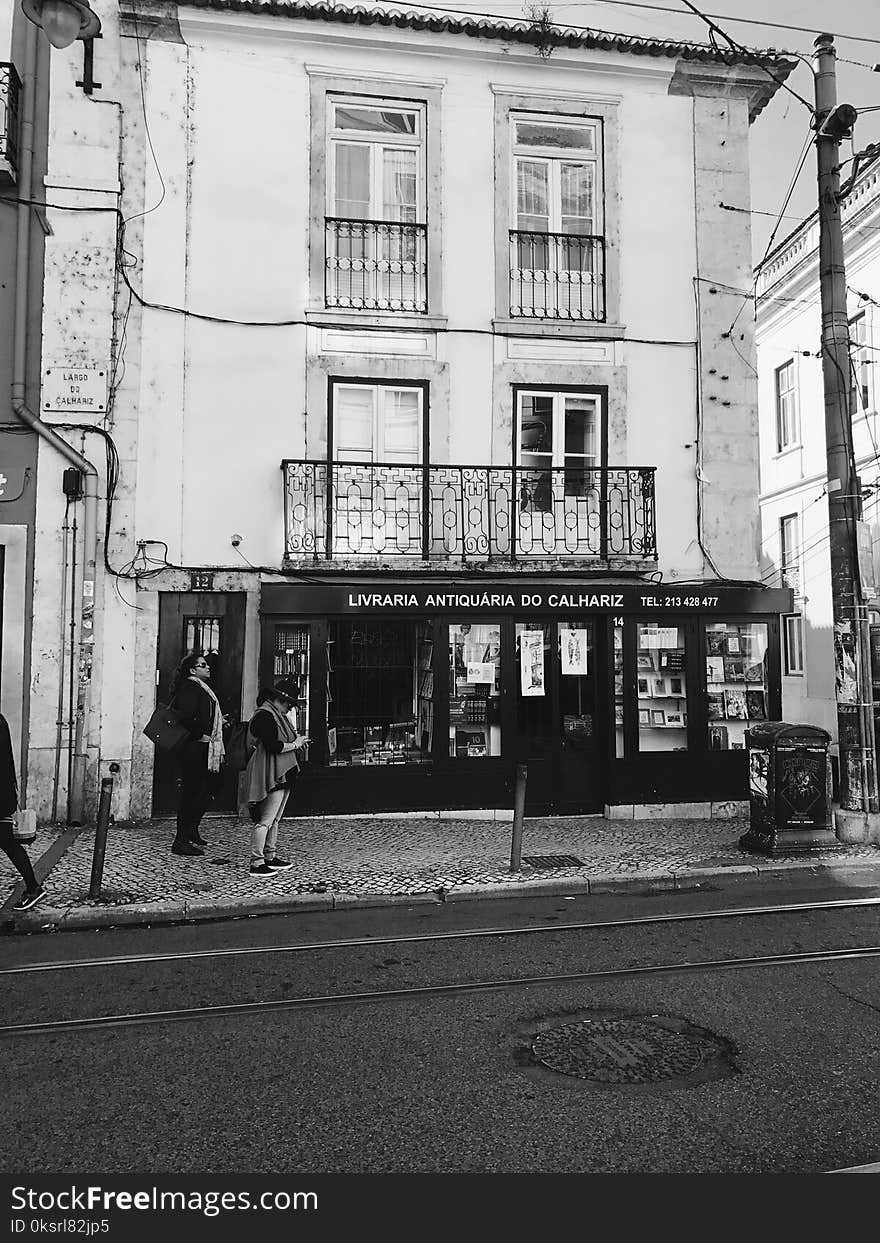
<point>695,775</point>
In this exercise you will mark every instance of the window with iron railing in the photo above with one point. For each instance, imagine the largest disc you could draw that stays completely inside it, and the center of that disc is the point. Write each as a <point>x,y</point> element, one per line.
<point>10,90</point>
<point>790,552</point>
<point>375,230</point>
<point>557,250</point>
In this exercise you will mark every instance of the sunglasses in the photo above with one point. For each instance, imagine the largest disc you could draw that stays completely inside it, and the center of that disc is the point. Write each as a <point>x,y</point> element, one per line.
<point>201,664</point>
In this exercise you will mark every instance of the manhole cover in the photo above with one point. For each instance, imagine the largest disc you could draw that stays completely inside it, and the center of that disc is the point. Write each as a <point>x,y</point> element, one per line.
<point>545,862</point>
<point>623,1050</point>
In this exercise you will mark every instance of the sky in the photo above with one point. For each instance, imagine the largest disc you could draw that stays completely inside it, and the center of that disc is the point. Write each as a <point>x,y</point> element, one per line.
<point>779,133</point>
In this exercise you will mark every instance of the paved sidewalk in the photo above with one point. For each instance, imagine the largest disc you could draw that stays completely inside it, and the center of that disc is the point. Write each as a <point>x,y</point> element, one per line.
<point>377,861</point>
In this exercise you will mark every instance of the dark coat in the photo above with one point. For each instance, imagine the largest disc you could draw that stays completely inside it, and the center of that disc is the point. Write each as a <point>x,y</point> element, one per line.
<point>196,708</point>
<point>8,779</point>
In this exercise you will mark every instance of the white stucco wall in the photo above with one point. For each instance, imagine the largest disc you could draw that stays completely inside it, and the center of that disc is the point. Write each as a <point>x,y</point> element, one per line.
<point>215,191</point>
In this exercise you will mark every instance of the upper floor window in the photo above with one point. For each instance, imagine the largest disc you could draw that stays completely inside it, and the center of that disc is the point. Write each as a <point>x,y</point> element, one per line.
<point>793,646</point>
<point>860,365</point>
<point>377,423</point>
<point>786,412</point>
<point>556,243</point>
<point>376,236</point>
<point>790,552</point>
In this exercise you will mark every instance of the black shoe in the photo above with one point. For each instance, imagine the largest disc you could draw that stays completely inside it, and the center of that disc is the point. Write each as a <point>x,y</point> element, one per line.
<point>198,840</point>
<point>27,900</point>
<point>261,869</point>
<point>185,848</point>
<point>278,865</point>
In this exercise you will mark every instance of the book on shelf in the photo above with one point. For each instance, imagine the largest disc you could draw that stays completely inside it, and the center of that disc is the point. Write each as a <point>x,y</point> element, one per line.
<point>756,705</point>
<point>716,642</point>
<point>755,672</point>
<point>717,737</point>
<point>735,705</point>
<point>733,669</point>
<point>715,706</point>
<point>714,669</point>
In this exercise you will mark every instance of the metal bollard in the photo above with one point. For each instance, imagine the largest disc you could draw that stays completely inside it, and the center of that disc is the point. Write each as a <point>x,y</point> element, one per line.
<point>101,837</point>
<point>519,807</point>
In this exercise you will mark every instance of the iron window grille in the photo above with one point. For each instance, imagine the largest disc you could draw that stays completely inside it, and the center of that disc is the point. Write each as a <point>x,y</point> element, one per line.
<point>10,91</point>
<point>557,276</point>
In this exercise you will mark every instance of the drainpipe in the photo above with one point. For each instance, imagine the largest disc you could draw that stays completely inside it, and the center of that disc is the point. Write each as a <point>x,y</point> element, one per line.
<point>32,421</point>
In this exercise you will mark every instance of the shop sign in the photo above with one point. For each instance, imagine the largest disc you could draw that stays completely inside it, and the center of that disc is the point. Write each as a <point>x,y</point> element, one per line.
<point>543,597</point>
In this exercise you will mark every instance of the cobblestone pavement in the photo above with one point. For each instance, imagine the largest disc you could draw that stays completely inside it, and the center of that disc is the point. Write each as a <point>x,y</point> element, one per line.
<point>377,860</point>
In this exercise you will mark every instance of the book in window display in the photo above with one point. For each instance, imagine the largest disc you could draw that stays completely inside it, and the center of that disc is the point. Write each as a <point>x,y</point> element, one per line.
<point>673,659</point>
<point>715,706</point>
<point>714,669</point>
<point>643,687</point>
<point>755,672</point>
<point>756,705</point>
<point>717,737</point>
<point>733,669</point>
<point>716,642</point>
<point>735,705</point>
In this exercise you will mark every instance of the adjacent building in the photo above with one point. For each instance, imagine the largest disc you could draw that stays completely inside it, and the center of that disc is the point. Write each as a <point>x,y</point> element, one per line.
<point>406,366</point>
<point>794,512</point>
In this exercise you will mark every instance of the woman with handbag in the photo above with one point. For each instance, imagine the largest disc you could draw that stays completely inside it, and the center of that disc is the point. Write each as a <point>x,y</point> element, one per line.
<point>12,848</point>
<point>200,754</point>
<point>272,770</point>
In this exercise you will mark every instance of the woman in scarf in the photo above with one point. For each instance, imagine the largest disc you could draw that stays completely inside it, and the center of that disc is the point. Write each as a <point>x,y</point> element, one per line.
<point>201,754</point>
<point>272,770</point>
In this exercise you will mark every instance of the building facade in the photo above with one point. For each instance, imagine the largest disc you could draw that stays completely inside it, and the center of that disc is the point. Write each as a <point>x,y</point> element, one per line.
<point>22,232</point>
<point>794,512</point>
<point>417,384</point>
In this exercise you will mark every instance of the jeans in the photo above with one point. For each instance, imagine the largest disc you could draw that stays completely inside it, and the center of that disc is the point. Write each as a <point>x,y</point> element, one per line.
<point>17,856</point>
<point>264,834</point>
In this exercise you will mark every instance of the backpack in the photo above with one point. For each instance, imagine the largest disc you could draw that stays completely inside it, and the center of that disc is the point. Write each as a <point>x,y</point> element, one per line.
<point>240,745</point>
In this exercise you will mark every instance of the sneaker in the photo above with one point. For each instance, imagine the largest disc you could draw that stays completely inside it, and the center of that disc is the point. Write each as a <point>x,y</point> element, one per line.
<point>278,864</point>
<point>261,869</point>
<point>27,900</point>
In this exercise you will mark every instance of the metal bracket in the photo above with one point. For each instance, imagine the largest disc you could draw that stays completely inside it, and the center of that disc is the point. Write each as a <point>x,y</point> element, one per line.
<point>87,82</point>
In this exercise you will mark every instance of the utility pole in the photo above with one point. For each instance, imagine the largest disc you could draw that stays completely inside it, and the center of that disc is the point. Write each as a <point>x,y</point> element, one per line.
<point>852,663</point>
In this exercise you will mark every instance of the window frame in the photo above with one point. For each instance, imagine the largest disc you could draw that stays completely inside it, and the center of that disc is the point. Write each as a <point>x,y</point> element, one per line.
<point>860,389</point>
<point>541,106</point>
<point>554,158</point>
<point>788,665</point>
<point>428,93</point>
<point>596,392</point>
<point>339,381</point>
<point>779,396</point>
<point>377,144</point>
<point>790,552</point>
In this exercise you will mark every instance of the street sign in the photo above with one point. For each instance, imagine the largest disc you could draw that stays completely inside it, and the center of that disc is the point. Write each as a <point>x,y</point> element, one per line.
<point>75,390</point>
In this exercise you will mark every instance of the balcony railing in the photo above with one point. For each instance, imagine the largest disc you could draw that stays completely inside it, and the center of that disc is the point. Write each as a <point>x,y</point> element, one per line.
<point>557,276</point>
<point>466,513</point>
<point>376,265</point>
<point>10,89</point>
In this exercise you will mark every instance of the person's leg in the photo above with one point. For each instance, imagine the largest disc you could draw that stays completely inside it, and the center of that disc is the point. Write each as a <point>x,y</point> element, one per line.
<point>201,791</point>
<point>18,857</point>
<point>268,812</point>
<point>188,809</point>
<point>272,834</point>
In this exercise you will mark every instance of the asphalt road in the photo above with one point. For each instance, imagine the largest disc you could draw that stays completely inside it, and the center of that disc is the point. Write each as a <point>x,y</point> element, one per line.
<point>446,1083</point>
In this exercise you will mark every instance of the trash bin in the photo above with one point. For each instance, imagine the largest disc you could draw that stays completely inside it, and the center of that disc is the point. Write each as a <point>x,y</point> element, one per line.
<point>789,788</point>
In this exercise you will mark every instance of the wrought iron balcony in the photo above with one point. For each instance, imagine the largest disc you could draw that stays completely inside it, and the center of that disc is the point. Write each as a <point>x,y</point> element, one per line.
<point>376,265</point>
<point>10,89</point>
<point>338,510</point>
<point>557,276</point>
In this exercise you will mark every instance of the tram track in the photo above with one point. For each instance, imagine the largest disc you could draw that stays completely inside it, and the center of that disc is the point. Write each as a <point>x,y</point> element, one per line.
<point>374,996</point>
<point>62,965</point>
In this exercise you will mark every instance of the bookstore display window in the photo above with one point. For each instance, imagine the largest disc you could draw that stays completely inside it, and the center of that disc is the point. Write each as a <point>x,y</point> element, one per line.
<point>474,690</point>
<point>661,684</point>
<point>575,655</point>
<point>291,658</point>
<point>736,681</point>
<point>380,692</point>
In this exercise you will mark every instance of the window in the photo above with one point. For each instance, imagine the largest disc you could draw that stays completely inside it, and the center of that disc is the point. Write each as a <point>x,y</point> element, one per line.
<point>790,552</point>
<point>559,484</point>
<point>377,423</point>
<point>793,644</point>
<point>474,690</point>
<point>786,414</point>
<point>661,687</point>
<point>376,238</point>
<point>859,393</point>
<point>380,692</point>
<point>556,247</point>
<point>736,681</point>
<point>378,434</point>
